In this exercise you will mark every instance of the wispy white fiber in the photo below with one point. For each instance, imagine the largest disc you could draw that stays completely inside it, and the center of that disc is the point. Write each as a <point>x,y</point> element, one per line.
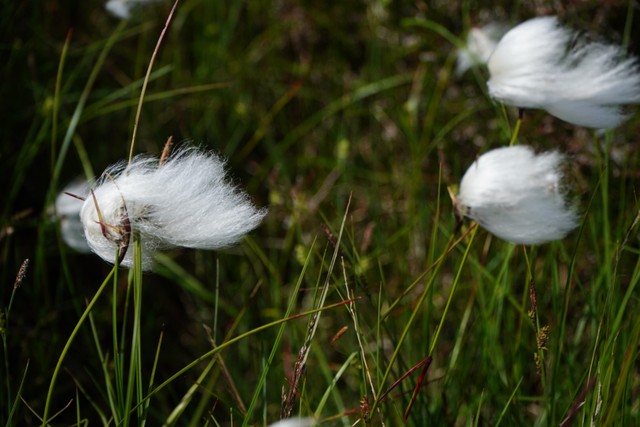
<point>541,64</point>
<point>67,209</point>
<point>122,8</point>
<point>518,195</point>
<point>294,422</point>
<point>479,45</point>
<point>186,201</point>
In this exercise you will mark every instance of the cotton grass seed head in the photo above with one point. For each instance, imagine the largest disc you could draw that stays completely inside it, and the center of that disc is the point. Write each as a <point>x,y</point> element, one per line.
<point>518,195</point>
<point>122,8</point>
<point>479,45</point>
<point>541,64</point>
<point>294,422</point>
<point>67,211</point>
<point>186,201</point>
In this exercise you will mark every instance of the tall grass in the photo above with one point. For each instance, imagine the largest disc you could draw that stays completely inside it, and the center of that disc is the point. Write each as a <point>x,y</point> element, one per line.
<point>357,300</point>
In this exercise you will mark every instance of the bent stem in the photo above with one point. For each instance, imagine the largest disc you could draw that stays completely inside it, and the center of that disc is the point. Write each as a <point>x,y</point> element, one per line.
<point>65,350</point>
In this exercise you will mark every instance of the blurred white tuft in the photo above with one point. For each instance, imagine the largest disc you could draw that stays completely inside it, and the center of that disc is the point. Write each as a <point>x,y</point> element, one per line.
<point>122,8</point>
<point>480,43</point>
<point>67,210</point>
<point>294,422</point>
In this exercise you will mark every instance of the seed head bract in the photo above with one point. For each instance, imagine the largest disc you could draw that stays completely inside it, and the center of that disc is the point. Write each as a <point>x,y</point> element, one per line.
<point>518,195</point>
<point>541,64</point>
<point>186,201</point>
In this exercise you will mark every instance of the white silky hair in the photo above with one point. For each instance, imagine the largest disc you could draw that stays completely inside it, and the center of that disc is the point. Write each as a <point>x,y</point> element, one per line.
<point>187,201</point>
<point>541,64</point>
<point>479,45</point>
<point>518,195</point>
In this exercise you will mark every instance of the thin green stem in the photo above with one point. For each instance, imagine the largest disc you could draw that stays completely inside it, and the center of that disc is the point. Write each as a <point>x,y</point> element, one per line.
<point>77,113</point>
<point>134,382</point>
<point>453,289</point>
<point>67,346</point>
<point>56,98</point>
<point>276,344</point>
<point>414,313</point>
<point>516,131</point>
<point>231,341</point>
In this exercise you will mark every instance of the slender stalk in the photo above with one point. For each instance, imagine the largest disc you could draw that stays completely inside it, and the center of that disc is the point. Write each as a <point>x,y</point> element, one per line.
<point>453,289</point>
<point>146,79</point>
<point>134,382</point>
<point>418,305</point>
<point>77,113</point>
<point>231,341</point>
<point>516,131</point>
<point>67,346</point>
<point>56,98</point>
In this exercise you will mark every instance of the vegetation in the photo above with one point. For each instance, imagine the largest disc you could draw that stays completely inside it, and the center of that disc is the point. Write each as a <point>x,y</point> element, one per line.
<point>357,299</point>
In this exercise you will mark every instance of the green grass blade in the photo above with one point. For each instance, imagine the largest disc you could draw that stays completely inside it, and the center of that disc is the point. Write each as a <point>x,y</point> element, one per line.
<point>67,346</point>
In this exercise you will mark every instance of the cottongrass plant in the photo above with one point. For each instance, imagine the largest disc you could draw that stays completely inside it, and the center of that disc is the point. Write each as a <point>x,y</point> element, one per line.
<point>183,201</point>
<point>136,207</point>
<point>518,195</point>
<point>541,64</point>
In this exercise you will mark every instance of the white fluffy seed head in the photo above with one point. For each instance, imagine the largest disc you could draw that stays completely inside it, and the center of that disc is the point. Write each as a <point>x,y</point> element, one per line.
<point>122,8</point>
<point>518,195</point>
<point>294,422</point>
<point>479,44</point>
<point>541,64</point>
<point>67,209</point>
<point>187,201</point>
